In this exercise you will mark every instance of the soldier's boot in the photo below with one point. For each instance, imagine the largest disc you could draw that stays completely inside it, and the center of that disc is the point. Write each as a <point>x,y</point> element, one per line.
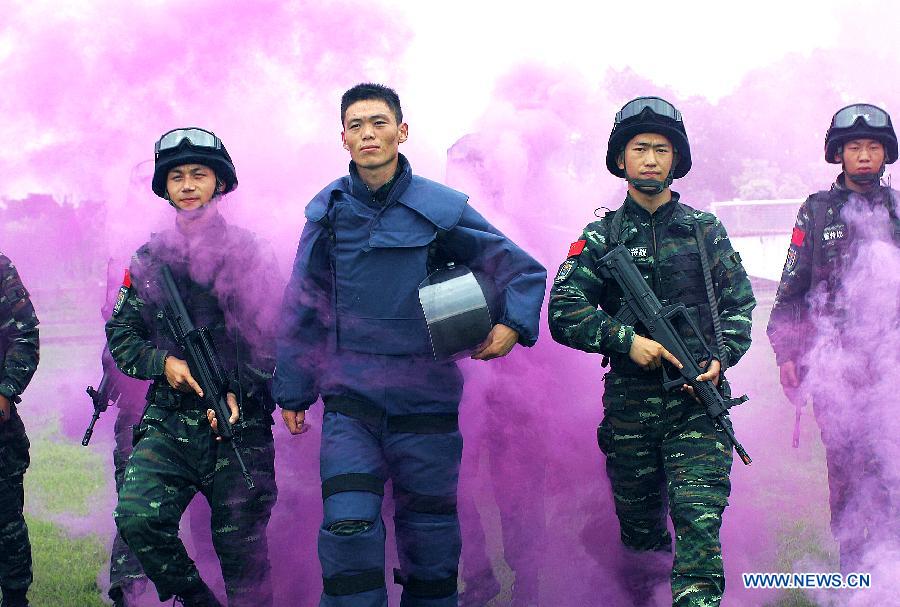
<point>14,597</point>
<point>198,596</point>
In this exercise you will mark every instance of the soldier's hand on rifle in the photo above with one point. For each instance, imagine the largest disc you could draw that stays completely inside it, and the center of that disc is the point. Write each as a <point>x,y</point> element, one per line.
<point>294,420</point>
<point>231,399</point>
<point>178,374</point>
<point>711,374</point>
<point>498,343</point>
<point>649,354</point>
<point>788,375</point>
<point>4,409</point>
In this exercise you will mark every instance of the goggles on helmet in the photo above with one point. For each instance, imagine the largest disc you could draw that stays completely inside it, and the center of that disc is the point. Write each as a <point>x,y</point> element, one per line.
<point>873,116</point>
<point>196,137</point>
<point>654,104</point>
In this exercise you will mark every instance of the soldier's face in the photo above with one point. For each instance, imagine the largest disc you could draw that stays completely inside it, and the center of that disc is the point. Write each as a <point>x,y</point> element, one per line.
<point>648,156</point>
<point>371,134</point>
<point>861,156</point>
<point>191,186</point>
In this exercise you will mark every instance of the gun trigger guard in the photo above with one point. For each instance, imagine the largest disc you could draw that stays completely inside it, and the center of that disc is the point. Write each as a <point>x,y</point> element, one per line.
<point>670,382</point>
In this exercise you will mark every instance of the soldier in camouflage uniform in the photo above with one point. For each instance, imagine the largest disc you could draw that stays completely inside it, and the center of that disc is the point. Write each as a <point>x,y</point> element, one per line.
<point>662,451</point>
<point>19,343</point>
<point>229,284</point>
<point>126,578</point>
<point>823,246</point>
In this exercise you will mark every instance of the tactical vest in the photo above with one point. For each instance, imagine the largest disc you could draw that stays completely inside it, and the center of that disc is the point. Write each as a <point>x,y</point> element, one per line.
<point>205,310</point>
<point>833,238</point>
<point>379,257</point>
<point>675,275</point>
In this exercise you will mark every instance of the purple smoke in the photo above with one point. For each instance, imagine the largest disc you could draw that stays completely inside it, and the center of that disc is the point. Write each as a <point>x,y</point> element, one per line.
<point>90,88</point>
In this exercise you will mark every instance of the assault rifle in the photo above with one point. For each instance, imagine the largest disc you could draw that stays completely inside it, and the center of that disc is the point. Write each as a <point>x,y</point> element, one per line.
<point>203,361</point>
<point>643,306</point>
<point>107,393</point>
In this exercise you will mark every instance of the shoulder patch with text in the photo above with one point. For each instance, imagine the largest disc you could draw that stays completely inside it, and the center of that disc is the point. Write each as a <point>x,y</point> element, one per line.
<point>123,293</point>
<point>565,270</point>
<point>791,261</point>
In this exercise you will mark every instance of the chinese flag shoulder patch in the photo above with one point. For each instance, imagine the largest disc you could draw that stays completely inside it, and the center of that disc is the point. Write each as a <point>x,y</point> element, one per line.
<point>126,282</point>
<point>797,237</point>
<point>577,247</point>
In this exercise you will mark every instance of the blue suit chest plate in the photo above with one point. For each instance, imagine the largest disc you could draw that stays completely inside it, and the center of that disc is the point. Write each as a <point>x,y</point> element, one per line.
<point>380,257</point>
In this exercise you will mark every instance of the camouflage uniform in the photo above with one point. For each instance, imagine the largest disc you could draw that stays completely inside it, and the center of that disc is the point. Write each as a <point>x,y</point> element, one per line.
<point>653,438</point>
<point>822,243</point>
<point>230,286</point>
<point>19,343</point>
<point>125,572</point>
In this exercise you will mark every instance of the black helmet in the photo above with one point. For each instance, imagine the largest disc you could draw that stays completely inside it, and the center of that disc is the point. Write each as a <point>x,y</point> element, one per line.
<point>860,121</point>
<point>192,146</point>
<point>648,115</point>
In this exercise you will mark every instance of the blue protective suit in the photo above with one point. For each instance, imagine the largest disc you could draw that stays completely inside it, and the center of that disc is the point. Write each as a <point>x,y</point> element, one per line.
<point>355,334</point>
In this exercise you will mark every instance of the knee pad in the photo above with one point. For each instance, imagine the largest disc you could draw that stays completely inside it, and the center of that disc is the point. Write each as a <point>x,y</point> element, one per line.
<point>352,498</point>
<point>344,528</point>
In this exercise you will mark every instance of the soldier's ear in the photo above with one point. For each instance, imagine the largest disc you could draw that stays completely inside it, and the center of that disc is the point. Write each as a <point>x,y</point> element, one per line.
<point>620,160</point>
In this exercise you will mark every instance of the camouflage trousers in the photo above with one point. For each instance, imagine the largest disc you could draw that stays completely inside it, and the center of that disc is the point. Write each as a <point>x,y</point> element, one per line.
<point>15,549</point>
<point>176,456</point>
<point>664,456</point>
<point>124,568</point>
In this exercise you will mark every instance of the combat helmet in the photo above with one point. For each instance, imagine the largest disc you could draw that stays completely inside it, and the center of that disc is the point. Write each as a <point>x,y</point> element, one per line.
<point>191,145</point>
<point>649,115</point>
<point>861,121</point>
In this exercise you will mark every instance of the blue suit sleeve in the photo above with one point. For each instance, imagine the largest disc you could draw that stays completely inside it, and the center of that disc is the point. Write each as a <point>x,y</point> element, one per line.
<point>519,280</point>
<point>306,318</point>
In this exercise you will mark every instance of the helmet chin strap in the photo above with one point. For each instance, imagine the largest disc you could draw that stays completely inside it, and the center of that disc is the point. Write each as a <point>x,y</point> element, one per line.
<point>652,186</point>
<point>868,179</point>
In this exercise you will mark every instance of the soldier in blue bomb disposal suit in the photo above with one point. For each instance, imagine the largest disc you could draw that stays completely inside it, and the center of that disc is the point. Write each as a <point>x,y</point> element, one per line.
<point>356,335</point>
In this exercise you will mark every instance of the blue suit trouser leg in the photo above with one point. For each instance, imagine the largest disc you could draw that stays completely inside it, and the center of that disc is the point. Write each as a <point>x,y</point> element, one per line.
<point>351,539</point>
<point>425,472</point>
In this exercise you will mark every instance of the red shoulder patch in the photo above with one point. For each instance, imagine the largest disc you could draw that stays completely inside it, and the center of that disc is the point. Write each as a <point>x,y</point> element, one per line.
<point>126,282</point>
<point>577,247</point>
<point>797,237</point>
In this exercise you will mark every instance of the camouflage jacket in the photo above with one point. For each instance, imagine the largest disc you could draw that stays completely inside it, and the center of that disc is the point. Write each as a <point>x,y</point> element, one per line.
<point>583,305</point>
<point>229,282</point>
<point>821,242</point>
<point>18,332</point>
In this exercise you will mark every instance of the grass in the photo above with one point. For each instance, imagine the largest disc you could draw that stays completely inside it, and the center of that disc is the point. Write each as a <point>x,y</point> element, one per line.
<point>64,478</point>
<point>65,569</point>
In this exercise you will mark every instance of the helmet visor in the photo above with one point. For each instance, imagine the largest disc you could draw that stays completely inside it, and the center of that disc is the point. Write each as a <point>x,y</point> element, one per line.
<point>199,138</point>
<point>654,104</point>
<point>873,116</point>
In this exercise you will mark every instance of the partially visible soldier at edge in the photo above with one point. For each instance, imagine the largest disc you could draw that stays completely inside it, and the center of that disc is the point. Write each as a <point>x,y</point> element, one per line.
<point>655,440</point>
<point>229,283</point>
<point>862,140</point>
<point>126,578</point>
<point>20,353</point>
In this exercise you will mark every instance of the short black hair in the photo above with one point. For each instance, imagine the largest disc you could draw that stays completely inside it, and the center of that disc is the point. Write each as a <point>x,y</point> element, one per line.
<point>366,91</point>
